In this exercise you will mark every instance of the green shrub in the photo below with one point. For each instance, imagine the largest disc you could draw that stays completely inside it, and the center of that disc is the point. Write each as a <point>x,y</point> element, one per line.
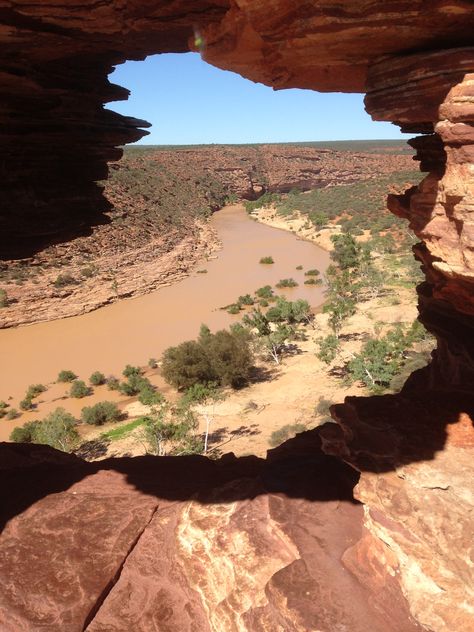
<point>26,403</point>
<point>285,432</point>
<point>198,393</point>
<point>12,414</point>
<point>246,299</point>
<point>299,267</point>
<point>66,376</point>
<point>3,405</point>
<point>25,433</point>
<point>233,309</point>
<point>328,348</point>
<point>286,283</point>
<point>34,390</point>
<point>265,292</point>
<point>150,396</point>
<point>3,298</point>
<point>135,384</point>
<point>267,260</point>
<point>79,389</point>
<point>64,279</point>
<point>131,370</point>
<point>112,383</point>
<point>312,272</point>
<point>264,200</point>
<point>152,363</point>
<point>97,378</point>
<point>100,413</point>
<point>263,302</point>
<point>312,281</point>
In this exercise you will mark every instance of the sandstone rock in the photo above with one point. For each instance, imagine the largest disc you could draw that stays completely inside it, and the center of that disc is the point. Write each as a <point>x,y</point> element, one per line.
<point>189,544</point>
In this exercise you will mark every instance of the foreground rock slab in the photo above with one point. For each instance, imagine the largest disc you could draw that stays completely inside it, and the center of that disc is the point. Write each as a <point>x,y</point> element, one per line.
<point>189,544</point>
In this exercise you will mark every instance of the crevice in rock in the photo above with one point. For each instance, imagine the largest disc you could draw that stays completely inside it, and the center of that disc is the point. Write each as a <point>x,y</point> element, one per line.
<point>113,581</point>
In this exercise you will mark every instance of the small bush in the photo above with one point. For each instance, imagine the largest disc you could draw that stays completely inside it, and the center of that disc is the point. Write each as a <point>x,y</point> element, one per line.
<point>26,403</point>
<point>3,405</point>
<point>64,279</point>
<point>286,283</point>
<point>134,385</point>
<point>97,378</point>
<point>285,432</point>
<point>34,390</point>
<point>100,413</point>
<point>88,272</point>
<point>149,396</point>
<point>267,260</point>
<point>66,376</point>
<point>79,389</point>
<point>328,348</point>
<point>263,302</point>
<point>233,309</point>
<point>313,281</point>
<point>112,383</point>
<point>204,271</point>
<point>3,298</point>
<point>265,292</point>
<point>12,414</point>
<point>131,370</point>
<point>152,363</point>
<point>25,433</point>
<point>312,272</point>
<point>246,299</point>
<point>299,267</point>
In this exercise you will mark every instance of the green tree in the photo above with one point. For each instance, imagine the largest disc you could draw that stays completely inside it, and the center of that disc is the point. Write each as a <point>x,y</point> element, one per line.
<point>346,251</point>
<point>58,430</point>
<point>275,342</point>
<point>230,357</point>
<point>187,364</point>
<point>339,310</point>
<point>172,431</point>
<point>257,320</point>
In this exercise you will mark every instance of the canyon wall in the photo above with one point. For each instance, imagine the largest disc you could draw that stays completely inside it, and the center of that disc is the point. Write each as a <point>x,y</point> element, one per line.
<point>415,61</point>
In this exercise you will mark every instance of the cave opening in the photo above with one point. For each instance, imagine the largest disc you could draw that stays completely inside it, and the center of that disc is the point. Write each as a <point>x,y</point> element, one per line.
<point>243,541</point>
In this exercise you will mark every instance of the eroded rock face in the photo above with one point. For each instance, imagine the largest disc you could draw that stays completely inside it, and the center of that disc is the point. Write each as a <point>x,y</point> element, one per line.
<point>189,544</point>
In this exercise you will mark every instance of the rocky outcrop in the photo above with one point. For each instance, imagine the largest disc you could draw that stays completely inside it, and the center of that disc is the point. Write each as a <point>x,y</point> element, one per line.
<point>190,544</point>
<point>412,59</point>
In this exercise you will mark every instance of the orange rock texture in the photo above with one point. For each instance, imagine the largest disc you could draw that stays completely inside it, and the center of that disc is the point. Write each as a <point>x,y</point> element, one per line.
<point>250,546</point>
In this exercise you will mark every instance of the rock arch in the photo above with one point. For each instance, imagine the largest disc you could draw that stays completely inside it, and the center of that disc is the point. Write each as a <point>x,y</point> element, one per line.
<point>415,61</point>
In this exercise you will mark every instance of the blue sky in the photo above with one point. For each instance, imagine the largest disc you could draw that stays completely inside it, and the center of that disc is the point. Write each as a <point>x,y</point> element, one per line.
<point>190,102</point>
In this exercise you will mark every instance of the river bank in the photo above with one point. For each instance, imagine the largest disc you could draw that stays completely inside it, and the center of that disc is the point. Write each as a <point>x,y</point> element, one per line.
<point>111,278</point>
<point>133,330</point>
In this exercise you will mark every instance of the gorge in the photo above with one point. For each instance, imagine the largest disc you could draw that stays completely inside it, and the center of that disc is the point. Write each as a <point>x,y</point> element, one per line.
<point>286,543</point>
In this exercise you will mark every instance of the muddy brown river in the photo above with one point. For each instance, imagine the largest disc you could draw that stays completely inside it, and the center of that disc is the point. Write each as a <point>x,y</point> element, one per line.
<point>133,330</point>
